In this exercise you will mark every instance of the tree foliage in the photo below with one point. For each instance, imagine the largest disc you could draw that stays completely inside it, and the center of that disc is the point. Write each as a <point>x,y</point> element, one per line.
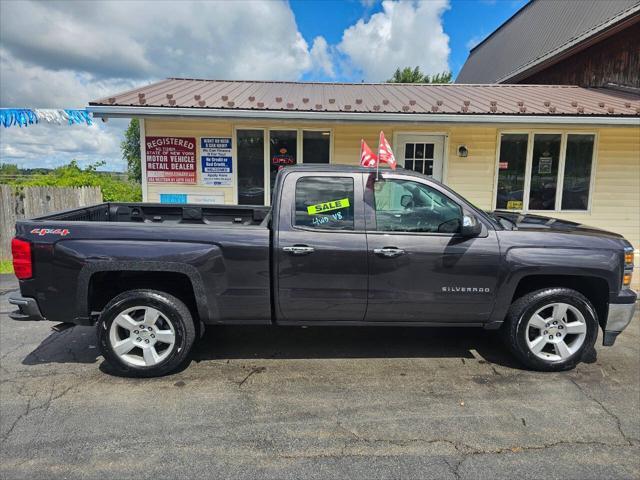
<point>71,175</point>
<point>409,75</point>
<point>130,147</point>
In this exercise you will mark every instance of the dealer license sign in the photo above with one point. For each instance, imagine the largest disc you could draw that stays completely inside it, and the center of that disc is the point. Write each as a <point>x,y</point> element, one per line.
<point>171,159</point>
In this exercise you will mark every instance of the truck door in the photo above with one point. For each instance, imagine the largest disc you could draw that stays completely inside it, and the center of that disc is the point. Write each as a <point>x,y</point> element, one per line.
<point>320,249</point>
<point>420,268</point>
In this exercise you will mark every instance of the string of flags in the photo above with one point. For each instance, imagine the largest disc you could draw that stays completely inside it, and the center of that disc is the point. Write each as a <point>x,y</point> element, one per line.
<point>21,117</point>
<point>385,154</point>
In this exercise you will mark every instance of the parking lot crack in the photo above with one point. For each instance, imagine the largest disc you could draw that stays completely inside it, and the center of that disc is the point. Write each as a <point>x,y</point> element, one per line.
<point>31,408</point>
<point>351,432</point>
<point>606,410</point>
<point>252,372</point>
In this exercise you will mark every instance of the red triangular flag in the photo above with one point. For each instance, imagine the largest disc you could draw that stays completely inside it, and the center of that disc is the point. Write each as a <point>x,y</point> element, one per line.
<point>367,157</point>
<point>385,154</point>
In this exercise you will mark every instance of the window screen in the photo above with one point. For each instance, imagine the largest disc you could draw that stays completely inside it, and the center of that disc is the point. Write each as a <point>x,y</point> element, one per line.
<point>325,203</point>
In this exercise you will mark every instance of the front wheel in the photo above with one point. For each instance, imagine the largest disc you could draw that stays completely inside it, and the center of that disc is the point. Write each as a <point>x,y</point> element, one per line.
<point>145,333</point>
<point>551,329</point>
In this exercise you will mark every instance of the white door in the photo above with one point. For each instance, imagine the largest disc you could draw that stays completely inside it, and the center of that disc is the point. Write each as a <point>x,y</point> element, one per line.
<point>421,153</point>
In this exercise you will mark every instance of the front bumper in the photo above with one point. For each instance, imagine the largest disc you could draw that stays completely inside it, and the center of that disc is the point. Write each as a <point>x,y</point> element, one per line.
<point>619,317</point>
<point>28,310</point>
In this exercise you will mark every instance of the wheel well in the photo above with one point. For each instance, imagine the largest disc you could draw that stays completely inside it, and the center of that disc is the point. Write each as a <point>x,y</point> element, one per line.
<point>104,286</point>
<point>594,288</point>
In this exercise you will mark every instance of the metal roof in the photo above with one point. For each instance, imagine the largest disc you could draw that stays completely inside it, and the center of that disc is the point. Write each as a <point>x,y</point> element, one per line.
<point>354,100</point>
<point>539,32</point>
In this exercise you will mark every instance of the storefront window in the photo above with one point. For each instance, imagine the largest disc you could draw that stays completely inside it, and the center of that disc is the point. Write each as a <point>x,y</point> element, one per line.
<point>511,171</point>
<point>544,164</point>
<point>250,167</point>
<point>316,146</point>
<point>544,171</point>
<point>577,172</point>
<point>282,152</point>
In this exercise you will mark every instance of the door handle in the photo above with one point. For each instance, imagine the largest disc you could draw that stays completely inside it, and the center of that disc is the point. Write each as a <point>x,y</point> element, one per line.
<point>389,252</point>
<point>299,250</point>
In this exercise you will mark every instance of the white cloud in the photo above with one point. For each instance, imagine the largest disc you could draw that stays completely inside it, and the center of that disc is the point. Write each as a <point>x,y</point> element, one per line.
<point>53,145</point>
<point>321,57</point>
<point>146,39</point>
<point>34,86</point>
<point>62,54</point>
<point>404,33</point>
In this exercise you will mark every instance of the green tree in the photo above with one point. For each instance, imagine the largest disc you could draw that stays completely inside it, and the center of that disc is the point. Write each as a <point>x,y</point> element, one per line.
<point>409,75</point>
<point>9,169</point>
<point>130,147</point>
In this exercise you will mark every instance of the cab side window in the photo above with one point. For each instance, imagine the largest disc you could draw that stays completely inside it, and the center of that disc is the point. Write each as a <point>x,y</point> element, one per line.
<point>325,203</point>
<point>408,206</point>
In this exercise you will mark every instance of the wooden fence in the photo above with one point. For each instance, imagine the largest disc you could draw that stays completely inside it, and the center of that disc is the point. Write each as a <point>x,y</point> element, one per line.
<point>26,202</point>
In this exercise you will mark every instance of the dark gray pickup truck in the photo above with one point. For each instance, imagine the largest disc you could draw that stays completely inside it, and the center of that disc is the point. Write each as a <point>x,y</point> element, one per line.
<point>340,246</point>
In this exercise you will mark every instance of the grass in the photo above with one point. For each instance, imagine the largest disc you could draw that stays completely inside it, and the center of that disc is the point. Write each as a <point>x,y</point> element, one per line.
<point>6,266</point>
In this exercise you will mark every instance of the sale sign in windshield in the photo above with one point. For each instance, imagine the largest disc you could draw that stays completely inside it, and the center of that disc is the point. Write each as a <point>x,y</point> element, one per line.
<point>171,159</point>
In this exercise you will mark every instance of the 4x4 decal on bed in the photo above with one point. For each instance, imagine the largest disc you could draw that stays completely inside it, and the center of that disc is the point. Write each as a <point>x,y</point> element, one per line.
<point>50,231</point>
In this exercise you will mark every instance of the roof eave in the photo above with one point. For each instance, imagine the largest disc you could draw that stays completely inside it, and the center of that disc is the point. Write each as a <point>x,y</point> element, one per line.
<point>110,111</point>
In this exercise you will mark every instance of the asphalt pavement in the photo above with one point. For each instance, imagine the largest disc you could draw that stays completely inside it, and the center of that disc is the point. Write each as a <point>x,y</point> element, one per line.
<point>340,402</point>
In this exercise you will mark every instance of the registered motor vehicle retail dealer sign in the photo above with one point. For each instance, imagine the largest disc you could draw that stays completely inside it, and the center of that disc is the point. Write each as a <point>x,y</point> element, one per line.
<point>171,159</point>
<point>216,161</point>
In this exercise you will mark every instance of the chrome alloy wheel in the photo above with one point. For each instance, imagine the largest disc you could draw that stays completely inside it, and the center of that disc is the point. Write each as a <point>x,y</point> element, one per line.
<point>556,331</point>
<point>142,336</point>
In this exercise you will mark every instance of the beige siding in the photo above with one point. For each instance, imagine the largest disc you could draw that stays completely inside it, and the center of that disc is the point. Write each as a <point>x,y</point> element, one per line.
<point>615,201</point>
<point>615,204</point>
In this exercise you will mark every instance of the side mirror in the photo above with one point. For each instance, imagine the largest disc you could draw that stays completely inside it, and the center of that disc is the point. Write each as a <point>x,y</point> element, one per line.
<point>471,227</point>
<point>406,200</point>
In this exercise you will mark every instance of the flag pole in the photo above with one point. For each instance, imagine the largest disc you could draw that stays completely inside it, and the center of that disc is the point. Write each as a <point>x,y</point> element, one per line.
<point>378,161</point>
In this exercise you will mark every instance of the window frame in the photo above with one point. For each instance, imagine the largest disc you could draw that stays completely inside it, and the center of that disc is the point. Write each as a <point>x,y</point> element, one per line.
<point>564,135</point>
<point>266,132</point>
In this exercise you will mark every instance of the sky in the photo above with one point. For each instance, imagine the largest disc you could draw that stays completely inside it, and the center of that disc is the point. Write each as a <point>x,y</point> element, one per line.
<point>63,54</point>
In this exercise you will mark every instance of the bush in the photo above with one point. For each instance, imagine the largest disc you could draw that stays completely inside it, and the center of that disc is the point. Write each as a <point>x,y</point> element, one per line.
<point>113,189</point>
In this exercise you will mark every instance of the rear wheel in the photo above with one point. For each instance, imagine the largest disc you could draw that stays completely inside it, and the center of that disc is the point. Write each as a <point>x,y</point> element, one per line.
<point>145,333</point>
<point>551,329</point>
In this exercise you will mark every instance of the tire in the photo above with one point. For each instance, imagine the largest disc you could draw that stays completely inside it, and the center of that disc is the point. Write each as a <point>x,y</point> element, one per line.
<point>145,333</point>
<point>551,329</point>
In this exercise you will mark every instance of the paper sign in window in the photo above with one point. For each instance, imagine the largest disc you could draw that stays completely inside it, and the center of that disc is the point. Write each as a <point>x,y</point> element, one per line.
<point>328,206</point>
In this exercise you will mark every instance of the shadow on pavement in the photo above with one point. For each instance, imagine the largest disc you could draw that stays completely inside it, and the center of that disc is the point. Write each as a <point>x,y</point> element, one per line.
<point>73,345</point>
<point>238,342</point>
<point>78,344</point>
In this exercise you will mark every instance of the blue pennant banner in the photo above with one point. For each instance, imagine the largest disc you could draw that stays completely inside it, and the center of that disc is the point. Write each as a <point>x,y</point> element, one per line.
<point>22,117</point>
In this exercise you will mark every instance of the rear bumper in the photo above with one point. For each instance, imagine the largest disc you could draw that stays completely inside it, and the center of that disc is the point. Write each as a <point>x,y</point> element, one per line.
<point>28,310</point>
<point>619,317</point>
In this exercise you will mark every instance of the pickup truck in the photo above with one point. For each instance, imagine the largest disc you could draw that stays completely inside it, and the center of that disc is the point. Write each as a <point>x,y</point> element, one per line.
<point>341,246</point>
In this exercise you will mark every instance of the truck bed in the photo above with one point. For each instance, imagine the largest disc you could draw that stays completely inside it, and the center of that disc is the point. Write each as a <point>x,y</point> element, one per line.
<point>164,214</point>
